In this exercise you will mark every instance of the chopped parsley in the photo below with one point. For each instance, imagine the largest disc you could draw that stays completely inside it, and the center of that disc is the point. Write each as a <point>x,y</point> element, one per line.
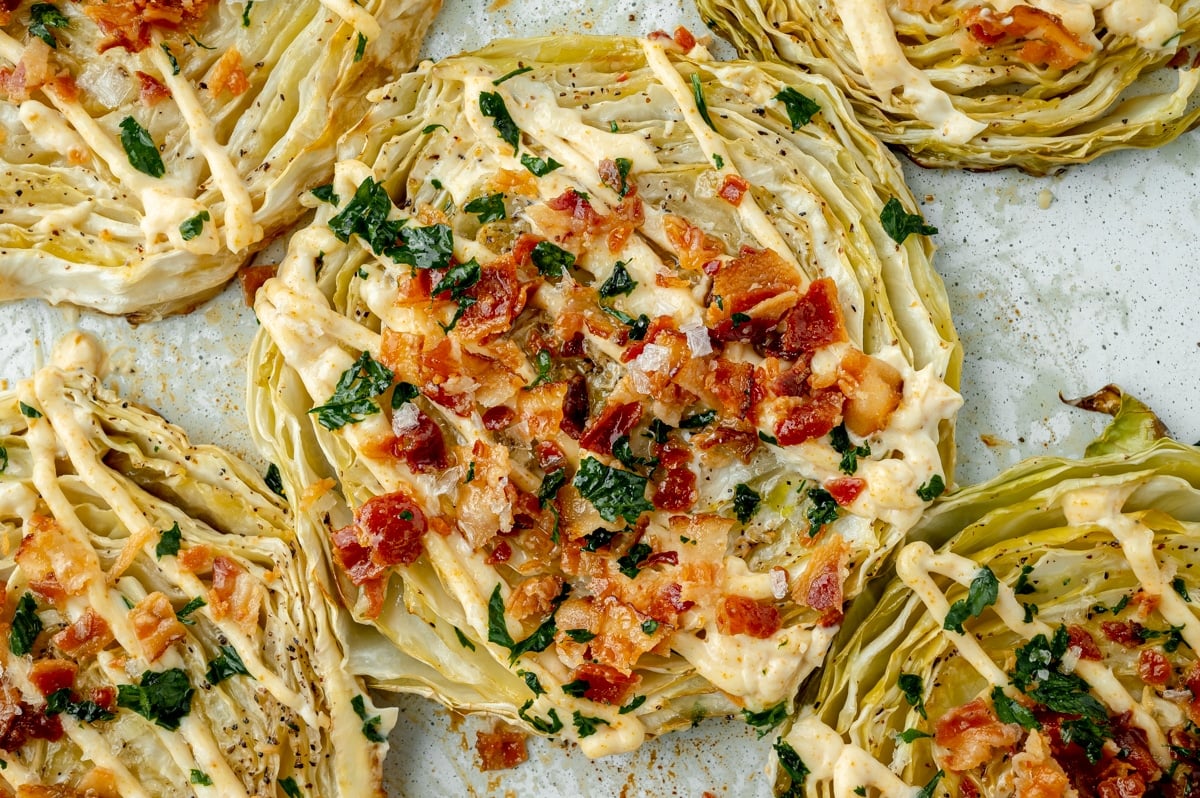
<point>171,58</point>
<point>366,215</point>
<point>538,166</point>
<point>739,319</point>
<point>935,487</point>
<point>245,24</point>
<point>650,626</point>
<point>289,787</point>
<point>463,640</point>
<point>187,609</point>
<point>630,562</point>
<point>580,635</point>
<point>3,459</point>
<point>910,735</point>
<point>585,724</point>
<point>1177,584</point>
<point>745,502</point>
<point>800,109</point>
<point>43,17</point>
<point>899,224</point>
<point>698,420</point>
<point>839,439</point>
<point>623,166</point>
<point>913,689</point>
<point>550,485</point>
<point>491,104</point>
<point>199,43</point>
<point>982,593</point>
<point>1088,735</point>
<point>1030,611</point>
<point>619,282</point>
<point>28,411</point>
<point>354,395</point>
<point>552,726</point>
<point>624,453</point>
<point>792,765</point>
<point>927,790</point>
<point>1009,710</point>
<point>598,539</point>
<point>701,103</point>
<point>488,209</point>
<point>274,480</point>
<point>405,392</point>
<point>521,70</point>
<point>544,364</point>
<point>370,726</point>
<point>658,430</point>
<point>139,147</point>
<point>360,47</point>
<point>425,131</point>
<point>718,161</point>
<point>458,279</point>
<point>164,697</point>
<point>612,491</point>
<point>632,705</point>
<point>498,632</point>
<point>766,720</point>
<point>226,665</point>
<point>85,711</point>
<point>1022,587</point>
<point>193,226</point>
<point>577,688</point>
<point>551,260</point>
<point>532,682</point>
<point>824,510</point>
<point>326,193</point>
<point>199,776</point>
<point>1037,673</point>
<point>168,542</point>
<point>765,438</point>
<point>470,473</point>
<point>637,327</point>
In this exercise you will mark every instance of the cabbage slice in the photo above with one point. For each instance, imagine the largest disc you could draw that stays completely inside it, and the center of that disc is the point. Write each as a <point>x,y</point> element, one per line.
<point>163,627</point>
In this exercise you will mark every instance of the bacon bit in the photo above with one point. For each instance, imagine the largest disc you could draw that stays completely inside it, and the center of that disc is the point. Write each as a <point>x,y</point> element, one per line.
<point>1143,605</point>
<point>549,455</point>
<point>485,503</point>
<point>500,297</point>
<point>674,483</point>
<point>32,72</point>
<point>98,783</point>
<point>1180,59</point>
<point>793,381</point>
<point>739,437</point>
<point>227,74</point>
<point>820,586</point>
<point>1124,633</point>
<point>732,188</point>
<point>6,9</point>
<point>748,283</point>
<point>614,421</point>
<point>815,321</point>
<point>668,603</point>
<point>1082,639</point>
<point>873,391</point>
<point>810,419</point>
<point>606,685</point>
<point>695,249</point>
<point>1135,769</point>
<point>500,554</point>
<point>155,624</point>
<point>497,418</point>
<point>619,640</point>
<point>574,217</point>
<point>196,559</point>
<point>104,695</point>
<point>252,278</point>
<point>48,675</point>
<point>610,176</point>
<point>234,594</point>
<point>313,493</point>
<point>1153,667</point>
<point>740,615</point>
<point>684,38</point>
<point>732,382</point>
<point>56,565</point>
<point>152,90</point>
<point>129,23</point>
<point>575,407</point>
<point>845,490</point>
<point>87,635</point>
<point>1047,40</point>
<point>968,735</point>
<point>627,216</point>
<point>534,597</point>
<point>20,722</point>
<point>1037,774</point>
<point>500,749</point>
<point>422,447</point>
<point>969,787</point>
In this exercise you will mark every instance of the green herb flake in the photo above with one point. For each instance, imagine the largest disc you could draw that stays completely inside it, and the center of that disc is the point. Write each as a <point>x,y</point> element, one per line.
<point>623,451</point>
<point>1022,587</point>
<point>766,720</point>
<point>226,665</point>
<point>800,109</point>
<point>618,283</point>
<point>354,395</point>
<point>164,697</point>
<point>624,165</point>
<point>139,147</point>
<point>274,481</point>
<point>824,510</point>
<point>463,640</point>
<point>1038,674</point>
<point>532,682</point>
<point>498,632</point>
<point>28,411</point>
<point>194,225</point>
<point>1177,584</point>
<point>403,393</point>
<point>360,48</point>
<point>245,24</point>
<point>551,260</point>
<point>718,161</point>
<point>488,209</point>
<point>1088,735</point>
<point>698,420</point>
<point>538,166</point>
<point>839,439</point>
<point>430,128</point>
<point>552,726</point>
<point>899,224</point>
<point>637,327</point>
<point>630,562</point>
<point>1030,611</point>
<point>491,104</point>
<point>370,726</point>
<point>3,459</point>
<point>168,542</point>
<point>650,626</point>
<point>792,765</point>
<point>1009,710</point>
<point>577,688</point>
<point>927,790</point>
<point>199,43</point>
<point>43,17</point>
<point>614,493</point>
<point>62,700</point>
<point>586,725</point>
<point>701,103</point>
<point>199,776</point>
<point>861,790</point>
<point>544,364</point>
<point>612,126</point>
<point>550,485</point>
<point>909,736</point>
<point>765,438</point>
<point>171,58</point>
<point>326,193</point>
<point>521,70</point>
<point>598,539</point>
<point>935,487</point>
<point>913,689</point>
<point>1121,604</point>
<point>580,635</point>
<point>982,593</point>
<point>289,787</point>
<point>745,502</point>
<point>632,705</point>
<point>188,609</point>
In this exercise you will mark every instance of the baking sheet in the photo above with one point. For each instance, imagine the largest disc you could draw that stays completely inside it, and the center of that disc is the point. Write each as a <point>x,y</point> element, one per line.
<point>1058,285</point>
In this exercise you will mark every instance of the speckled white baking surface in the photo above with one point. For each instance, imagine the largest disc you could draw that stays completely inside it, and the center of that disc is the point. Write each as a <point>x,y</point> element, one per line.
<point>1058,285</point>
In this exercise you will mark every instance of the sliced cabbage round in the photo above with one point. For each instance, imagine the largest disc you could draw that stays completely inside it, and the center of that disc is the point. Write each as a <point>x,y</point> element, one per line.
<point>164,632</point>
<point>982,84</point>
<point>580,498</point>
<point>1075,586</point>
<point>143,162</point>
